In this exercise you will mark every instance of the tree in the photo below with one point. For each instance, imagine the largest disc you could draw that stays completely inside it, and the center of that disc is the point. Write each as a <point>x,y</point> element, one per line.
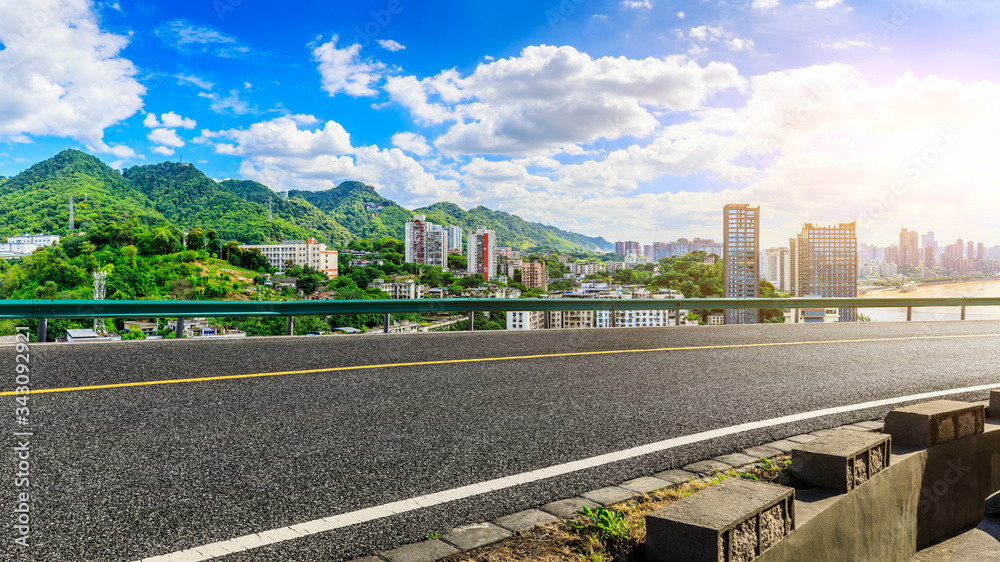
<point>471,281</point>
<point>195,240</point>
<point>457,262</point>
<point>130,252</point>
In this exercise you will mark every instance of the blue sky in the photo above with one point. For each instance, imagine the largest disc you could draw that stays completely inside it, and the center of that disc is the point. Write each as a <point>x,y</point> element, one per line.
<point>633,119</point>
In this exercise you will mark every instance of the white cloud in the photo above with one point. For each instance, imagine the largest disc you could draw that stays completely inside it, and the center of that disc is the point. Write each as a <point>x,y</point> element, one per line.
<point>191,39</point>
<point>845,45</point>
<point>163,150</point>
<point>169,120</point>
<point>825,4</point>
<point>285,153</point>
<point>737,44</point>
<point>166,137</point>
<point>229,104</point>
<point>62,75</point>
<point>342,70</point>
<point>764,5</point>
<point>390,45</point>
<point>637,4</point>
<point>552,97</point>
<point>680,15</point>
<point>195,80</point>
<point>412,142</point>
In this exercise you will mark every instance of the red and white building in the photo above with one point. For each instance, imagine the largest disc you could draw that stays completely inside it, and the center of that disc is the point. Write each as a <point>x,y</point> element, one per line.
<point>483,253</point>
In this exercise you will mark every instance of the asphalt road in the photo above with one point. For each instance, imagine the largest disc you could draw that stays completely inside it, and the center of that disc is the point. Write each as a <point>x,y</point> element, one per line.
<point>129,472</point>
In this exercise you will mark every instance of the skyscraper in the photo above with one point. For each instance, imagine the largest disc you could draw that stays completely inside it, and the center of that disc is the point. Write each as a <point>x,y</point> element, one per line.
<point>927,239</point>
<point>908,248</point>
<point>929,258</point>
<point>426,243</point>
<point>624,248</point>
<point>778,267</point>
<point>454,238</point>
<point>483,253</point>
<point>825,263</point>
<point>740,248</point>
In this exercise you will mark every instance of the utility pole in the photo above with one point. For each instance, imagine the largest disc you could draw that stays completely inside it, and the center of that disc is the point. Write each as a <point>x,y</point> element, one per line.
<point>71,225</point>
<point>99,285</point>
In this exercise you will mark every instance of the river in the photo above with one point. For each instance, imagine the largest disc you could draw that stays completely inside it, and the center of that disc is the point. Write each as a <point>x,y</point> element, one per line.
<point>965,289</point>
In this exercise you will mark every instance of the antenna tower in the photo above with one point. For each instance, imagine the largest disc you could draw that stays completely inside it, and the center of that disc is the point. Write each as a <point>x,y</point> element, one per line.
<point>71,225</point>
<point>99,285</point>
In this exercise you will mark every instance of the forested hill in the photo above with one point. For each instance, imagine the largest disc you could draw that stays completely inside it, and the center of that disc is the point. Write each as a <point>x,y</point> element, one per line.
<point>512,230</point>
<point>359,208</point>
<point>37,200</point>
<point>189,199</point>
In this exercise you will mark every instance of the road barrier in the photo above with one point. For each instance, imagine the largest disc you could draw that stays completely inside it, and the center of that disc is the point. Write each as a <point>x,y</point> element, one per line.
<point>47,309</point>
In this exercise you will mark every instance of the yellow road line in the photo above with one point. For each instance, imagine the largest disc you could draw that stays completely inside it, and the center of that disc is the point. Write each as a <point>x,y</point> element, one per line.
<point>483,360</point>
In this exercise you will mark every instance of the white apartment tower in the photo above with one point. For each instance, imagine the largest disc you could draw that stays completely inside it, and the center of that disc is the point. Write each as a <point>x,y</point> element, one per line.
<point>778,268</point>
<point>483,253</point>
<point>454,238</point>
<point>426,243</point>
<point>740,262</point>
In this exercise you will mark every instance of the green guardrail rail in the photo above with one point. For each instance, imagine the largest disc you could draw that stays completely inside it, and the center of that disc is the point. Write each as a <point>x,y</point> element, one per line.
<point>178,309</point>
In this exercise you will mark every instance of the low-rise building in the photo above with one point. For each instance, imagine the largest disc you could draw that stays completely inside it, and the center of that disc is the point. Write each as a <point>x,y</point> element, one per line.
<point>406,289</point>
<point>299,252</point>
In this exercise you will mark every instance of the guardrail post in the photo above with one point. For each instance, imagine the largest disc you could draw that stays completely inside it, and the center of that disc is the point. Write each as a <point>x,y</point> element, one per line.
<point>963,312</point>
<point>290,326</point>
<point>472,319</point>
<point>385,325</point>
<point>547,319</point>
<point>909,313</point>
<point>43,329</point>
<point>179,328</point>
<point>614,318</point>
<point>677,317</point>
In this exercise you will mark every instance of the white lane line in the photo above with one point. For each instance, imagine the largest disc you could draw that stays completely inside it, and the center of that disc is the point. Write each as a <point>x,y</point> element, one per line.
<point>386,510</point>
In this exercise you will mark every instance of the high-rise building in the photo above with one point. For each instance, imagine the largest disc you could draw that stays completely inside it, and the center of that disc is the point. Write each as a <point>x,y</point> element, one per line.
<point>454,238</point>
<point>426,243</point>
<point>741,246</point>
<point>908,248</point>
<point>825,263</point>
<point>626,247</point>
<point>778,267</point>
<point>959,248</point>
<point>971,252</point>
<point>929,256</point>
<point>534,275</point>
<point>980,252</point>
<point>892,254</point>
<point>647,250</point>
<point>483,253</point>
<point>927,239</point>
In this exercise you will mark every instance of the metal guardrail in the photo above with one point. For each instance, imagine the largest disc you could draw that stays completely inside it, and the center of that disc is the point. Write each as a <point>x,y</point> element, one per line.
<point>48,309</point>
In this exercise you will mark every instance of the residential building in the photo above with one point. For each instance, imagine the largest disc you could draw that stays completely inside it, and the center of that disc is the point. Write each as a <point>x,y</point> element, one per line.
<point>929,258</point>
<point>741,246</point>
<point>927,240</point>
<point>627,247</point>
<point>778,267</point>
<point>585,268</point>
<point>454,238</point>
<point>426,243</point>
<point>825,263</point>
<point>534,275</point>
<point>299,252</point>
<point>908,248</point>
<point>482,257</point>
<point>811,315</point>
<point>404,289</point>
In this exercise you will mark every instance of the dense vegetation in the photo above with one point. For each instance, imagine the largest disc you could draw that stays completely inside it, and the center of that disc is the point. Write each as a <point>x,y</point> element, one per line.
<point>346,204</point>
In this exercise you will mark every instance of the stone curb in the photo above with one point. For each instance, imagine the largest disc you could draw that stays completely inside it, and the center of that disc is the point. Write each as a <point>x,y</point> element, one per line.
<point>472,537</point>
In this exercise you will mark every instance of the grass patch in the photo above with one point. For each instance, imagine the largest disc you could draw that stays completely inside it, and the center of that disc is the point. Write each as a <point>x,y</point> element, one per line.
<point>613,534</point>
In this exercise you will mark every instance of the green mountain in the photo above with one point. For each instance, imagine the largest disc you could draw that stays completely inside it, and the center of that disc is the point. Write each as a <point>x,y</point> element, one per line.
<point>190,199</point>
<point>359,208</point>
<point>37,199</point>
<point>512,230</point>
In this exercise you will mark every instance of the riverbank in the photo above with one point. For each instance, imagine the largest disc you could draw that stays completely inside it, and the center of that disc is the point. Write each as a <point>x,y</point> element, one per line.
<point>983,288</point>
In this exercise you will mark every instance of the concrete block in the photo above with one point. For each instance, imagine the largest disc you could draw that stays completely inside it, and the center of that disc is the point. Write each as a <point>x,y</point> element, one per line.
<point>644,484</point>
<point>426,551</point>
<point>475,536</point>
<point>526,520</point>
<point>736,460</point>
<point>852,427</point>
<point>568,507</point>
<point>707,467</point>
<point>933,423</point>
<point>783,445</point>
<point>994,410</point>
<point>676,476</point>
<point>610,495</point>
<point>367,559</point>
<point>804,438</point>
<point>843,460</point>
<point>821,432</point>
<point>872,425</point>
<point>762,451</point>
<point>734,521</point>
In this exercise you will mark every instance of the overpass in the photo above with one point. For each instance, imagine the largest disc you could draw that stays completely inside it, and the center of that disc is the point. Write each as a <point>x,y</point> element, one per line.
<point>141,449</point>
